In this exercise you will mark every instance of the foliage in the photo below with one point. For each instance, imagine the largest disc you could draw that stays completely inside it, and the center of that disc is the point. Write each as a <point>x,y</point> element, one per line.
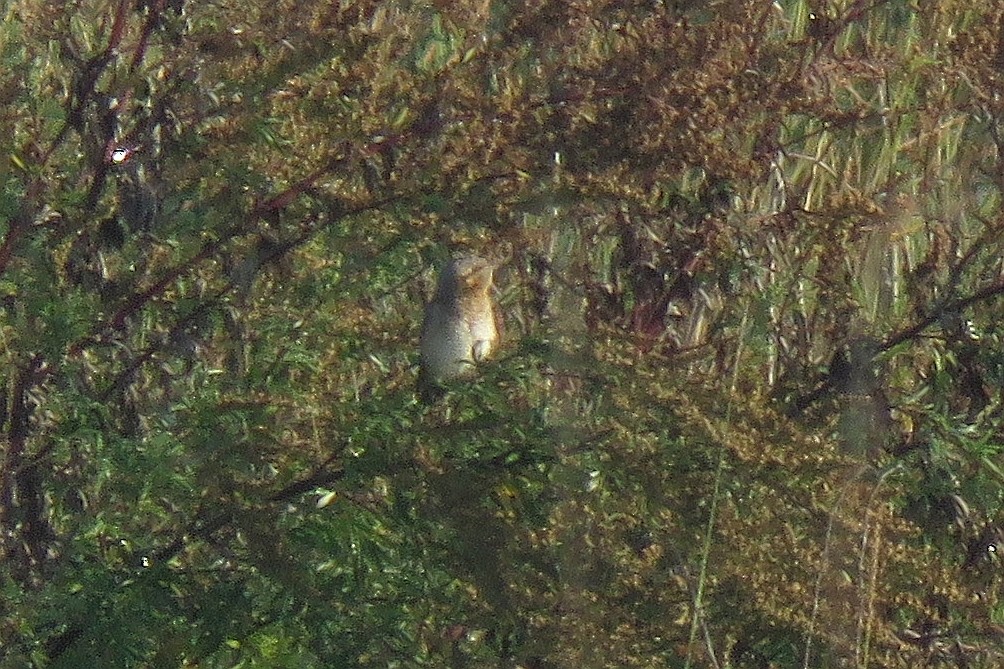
<point>748,412</point>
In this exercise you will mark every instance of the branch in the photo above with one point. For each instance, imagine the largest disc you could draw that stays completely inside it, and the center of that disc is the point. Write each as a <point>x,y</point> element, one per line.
<point>821,388</point>
<point>993,290</point>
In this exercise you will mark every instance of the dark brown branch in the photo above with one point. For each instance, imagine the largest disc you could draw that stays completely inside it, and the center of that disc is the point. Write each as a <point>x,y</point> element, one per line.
<point>988,292</point>
<point>21,516</point>
<point>821,388</point>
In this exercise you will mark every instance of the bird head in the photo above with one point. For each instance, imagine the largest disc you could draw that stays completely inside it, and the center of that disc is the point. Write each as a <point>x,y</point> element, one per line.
<point>466,275</point>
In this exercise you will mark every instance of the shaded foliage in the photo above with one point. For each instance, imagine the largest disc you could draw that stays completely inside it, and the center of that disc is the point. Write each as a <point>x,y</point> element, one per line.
<point>748,409</point>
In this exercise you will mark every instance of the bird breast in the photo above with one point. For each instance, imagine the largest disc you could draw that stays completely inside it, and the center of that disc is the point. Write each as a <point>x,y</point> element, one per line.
<point>455,336</point>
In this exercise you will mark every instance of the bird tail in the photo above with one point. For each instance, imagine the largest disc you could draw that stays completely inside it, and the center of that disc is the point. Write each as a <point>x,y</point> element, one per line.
<point>429,390</point>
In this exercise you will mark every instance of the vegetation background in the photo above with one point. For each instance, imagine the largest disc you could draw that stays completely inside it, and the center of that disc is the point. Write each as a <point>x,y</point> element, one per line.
<point>748,412</point>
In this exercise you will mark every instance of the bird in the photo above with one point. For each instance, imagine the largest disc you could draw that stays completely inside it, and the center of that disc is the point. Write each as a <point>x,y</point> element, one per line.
<point>460,328</point>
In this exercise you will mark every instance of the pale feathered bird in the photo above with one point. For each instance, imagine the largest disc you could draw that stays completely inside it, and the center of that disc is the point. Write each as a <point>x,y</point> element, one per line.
<point>460,327</point>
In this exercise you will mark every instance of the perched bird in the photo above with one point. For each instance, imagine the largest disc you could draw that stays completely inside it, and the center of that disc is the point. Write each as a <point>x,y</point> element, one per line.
<point>460,327</point>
